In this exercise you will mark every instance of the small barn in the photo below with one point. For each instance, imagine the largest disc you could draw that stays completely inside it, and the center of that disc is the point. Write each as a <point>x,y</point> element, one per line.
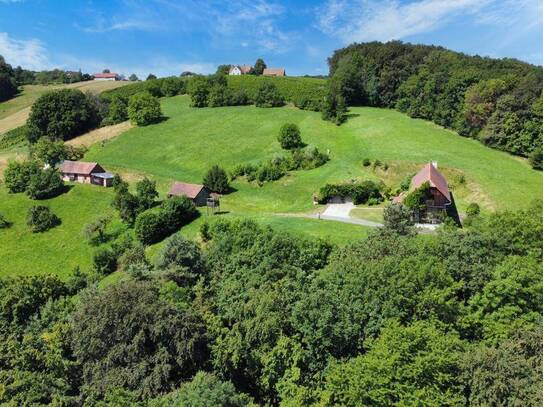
<point>198,193</point>
<point>85,173</point>
<point>439,200</point>
<point>274,72</point>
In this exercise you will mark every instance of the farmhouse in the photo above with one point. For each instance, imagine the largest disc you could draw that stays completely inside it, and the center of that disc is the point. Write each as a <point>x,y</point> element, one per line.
<point>198,193</point>
<point>85,173</point>
<point>239,70</point>
<point>112,76</point>
<point>274,72</point>
<point>438,201</point>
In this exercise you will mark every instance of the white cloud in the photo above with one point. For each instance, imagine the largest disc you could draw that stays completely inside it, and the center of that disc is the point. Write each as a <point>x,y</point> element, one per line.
<point>30,54</point>
<point>366,20</point>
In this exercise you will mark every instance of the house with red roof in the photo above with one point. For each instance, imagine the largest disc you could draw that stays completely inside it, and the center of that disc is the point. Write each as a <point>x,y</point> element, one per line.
<point>438,200</point>
<point>106,76</point>
<point>237,70</point>
<point>198,193</point>
<point>85,173</point>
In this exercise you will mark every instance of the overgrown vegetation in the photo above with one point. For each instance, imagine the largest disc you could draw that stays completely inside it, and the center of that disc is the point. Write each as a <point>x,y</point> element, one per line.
<point>500,102</point>
<point>452,319</point>
<point>360,192</point>
<point>40,219</point>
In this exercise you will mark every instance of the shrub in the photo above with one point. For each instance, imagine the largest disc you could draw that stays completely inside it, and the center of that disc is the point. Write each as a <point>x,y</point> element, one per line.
<point>417,198</point>
<point>172,86</point>
<point>177,211</point>
<point>536,159</point>
<point>359,192</point>
<point>268,96</point>
<point>216,180</point>
<point>289,137</point>
<point>133,256</point>
<point>199,92</point>
<point>149,227</point>
<point>45,184</point>
<point>473,209</point>
<point>62,115</point>
<point>104,260</point>
<point>406,183</point>
<point>334,108</point>
<point>153,226</point>
<point>40,218</point>
<point>146,193</point>
<point>144,109</point>
<point>118,111</point>
<point>95,232</point>
<point>398,218</point>
<point>17,175</point>
<point>127,204</point>
<point>218,96</point>
<point>4,223</point>
<point>366,162</point>
<point>308,158</point>
<point>183,258</point>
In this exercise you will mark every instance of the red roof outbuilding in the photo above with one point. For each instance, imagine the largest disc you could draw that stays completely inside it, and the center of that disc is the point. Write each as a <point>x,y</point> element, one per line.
<point>182,188</point>
<point>430,174</point>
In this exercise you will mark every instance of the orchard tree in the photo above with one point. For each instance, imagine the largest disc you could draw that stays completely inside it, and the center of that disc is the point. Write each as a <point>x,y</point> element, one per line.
<point>216,180</point>
<point>45,184</point>
<point>144,109</point>
<point>40,218</point>
<point>150,77</point>
<point>49,151</point>
<point>146,193</point>
<point>17,175</point>
<point>133,77</point>
<point>398,219</point>
<point>117,111</point>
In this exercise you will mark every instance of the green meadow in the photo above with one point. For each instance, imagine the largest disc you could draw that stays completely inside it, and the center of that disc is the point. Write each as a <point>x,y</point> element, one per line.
<point>190,140</point>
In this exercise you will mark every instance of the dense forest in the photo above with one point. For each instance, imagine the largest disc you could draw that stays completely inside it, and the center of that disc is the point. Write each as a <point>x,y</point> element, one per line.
<point>498,101</point>
<point>249,316</point>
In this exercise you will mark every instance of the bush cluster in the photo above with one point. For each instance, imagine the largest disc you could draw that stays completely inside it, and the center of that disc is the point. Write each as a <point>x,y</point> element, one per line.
<point>359,192</point>
<point>40,218</point>
<point>32,178</point>
<point>274,169</point>
<point>152,226</point>
<point>144,109</point>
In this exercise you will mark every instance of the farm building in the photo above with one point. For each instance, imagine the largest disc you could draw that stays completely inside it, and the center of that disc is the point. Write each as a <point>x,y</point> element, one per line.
<point>274,72</point>
<point>237,70</point>
<point>85,173</point>
<point>198,193</point>
<point>112,76</point>
<point>438,201</point>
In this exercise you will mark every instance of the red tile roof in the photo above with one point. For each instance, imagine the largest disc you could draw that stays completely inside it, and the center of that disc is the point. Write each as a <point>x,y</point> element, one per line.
<point>105,75</point>
<point>182,188</point>
<point>430,174</point>
<point>79,167</point>
<point>274,72</point>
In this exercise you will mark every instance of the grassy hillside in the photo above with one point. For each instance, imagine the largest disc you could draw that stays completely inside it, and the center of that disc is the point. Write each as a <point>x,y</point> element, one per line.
<point>14,112</point>
<point>185,145</point>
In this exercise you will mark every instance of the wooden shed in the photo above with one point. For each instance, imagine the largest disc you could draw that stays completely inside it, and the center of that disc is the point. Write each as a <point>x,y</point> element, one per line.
<point>85,173</point>
<point>198,193</point>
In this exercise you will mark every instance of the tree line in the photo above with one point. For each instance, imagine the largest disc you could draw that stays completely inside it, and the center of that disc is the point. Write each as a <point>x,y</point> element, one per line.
<point>498,101</point>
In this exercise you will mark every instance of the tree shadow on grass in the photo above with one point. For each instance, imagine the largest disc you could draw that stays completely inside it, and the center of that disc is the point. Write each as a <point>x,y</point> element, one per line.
<point>350,116</point>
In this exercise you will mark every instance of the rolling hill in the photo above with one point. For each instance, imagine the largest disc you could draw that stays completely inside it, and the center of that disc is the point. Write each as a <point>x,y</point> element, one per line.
<point>190,140</point>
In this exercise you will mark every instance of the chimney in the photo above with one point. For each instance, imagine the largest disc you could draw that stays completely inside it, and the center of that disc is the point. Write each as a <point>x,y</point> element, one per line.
<point>434,163</point>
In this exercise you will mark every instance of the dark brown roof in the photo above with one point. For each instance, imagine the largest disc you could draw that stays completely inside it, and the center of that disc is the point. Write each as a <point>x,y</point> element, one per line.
<point>274,72</point>
<point>105,75</point>
<point>79,167</point>
<point>430,174</point>
<point>182,188</point>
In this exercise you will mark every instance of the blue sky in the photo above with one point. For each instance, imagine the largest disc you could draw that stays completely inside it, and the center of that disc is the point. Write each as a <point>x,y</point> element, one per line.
<point>167,37</point>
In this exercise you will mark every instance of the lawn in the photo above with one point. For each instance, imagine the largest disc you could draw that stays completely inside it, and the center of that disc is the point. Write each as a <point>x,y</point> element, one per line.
<point>190,140</point>
<point>60,249</point>
<point>185,145</point>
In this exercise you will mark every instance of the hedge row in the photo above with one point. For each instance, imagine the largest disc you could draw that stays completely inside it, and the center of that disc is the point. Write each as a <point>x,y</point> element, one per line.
<point>304,93</point>
<point>170,86</point>
<point>360,192</point>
